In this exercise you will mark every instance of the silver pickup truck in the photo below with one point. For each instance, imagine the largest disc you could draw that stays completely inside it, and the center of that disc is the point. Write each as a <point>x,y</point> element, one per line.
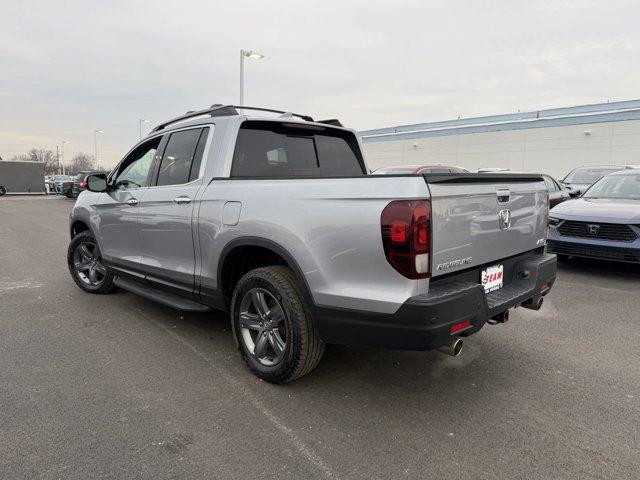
<point>277,221</point>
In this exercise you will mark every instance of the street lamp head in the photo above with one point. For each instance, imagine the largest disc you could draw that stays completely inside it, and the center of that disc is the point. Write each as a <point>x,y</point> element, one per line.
<point>99,131</point>
<point>65,141</point>
<point>254,55</point>
<point>144,120</point>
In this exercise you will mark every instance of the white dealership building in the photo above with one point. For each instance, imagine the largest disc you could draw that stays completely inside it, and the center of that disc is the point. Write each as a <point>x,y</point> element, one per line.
<point>552,141</point>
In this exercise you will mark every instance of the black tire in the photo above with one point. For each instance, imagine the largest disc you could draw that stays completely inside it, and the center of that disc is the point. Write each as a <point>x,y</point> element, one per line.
<point>105,285</point>
<point>303,349</point>
<point>3,191</point>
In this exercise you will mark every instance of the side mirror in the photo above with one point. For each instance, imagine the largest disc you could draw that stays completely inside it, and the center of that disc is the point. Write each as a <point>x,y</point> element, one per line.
<point>97,182</point>
<point>574,193</point>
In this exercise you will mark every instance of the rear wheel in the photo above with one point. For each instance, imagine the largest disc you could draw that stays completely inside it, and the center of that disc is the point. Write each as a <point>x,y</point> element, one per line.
<point>3,191</point>
<point>85,264</point>
<point>274,330</point>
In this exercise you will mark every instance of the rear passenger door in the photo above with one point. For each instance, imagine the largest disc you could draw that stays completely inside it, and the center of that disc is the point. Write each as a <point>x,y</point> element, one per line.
<point>165,217</point>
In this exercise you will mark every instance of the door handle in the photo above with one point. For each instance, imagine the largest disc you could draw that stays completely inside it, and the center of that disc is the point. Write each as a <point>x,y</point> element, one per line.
<point>182,200</point>
<point>132,201</point>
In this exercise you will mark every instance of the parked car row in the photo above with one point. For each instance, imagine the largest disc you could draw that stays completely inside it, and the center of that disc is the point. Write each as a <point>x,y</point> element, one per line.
<point>69,186</point>
<point>52,181</point>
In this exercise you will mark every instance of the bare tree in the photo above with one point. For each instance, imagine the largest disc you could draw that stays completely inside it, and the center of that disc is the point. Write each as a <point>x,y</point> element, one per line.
<point>40,155</point>
<point>81,162</point>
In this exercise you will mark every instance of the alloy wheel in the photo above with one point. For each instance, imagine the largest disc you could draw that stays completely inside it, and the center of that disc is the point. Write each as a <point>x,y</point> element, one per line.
<point>262,326</point>
<point>88,265</point>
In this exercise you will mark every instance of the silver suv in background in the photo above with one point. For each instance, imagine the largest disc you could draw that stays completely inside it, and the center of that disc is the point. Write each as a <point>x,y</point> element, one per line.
<point>580,179</point>
<point>275,220</point>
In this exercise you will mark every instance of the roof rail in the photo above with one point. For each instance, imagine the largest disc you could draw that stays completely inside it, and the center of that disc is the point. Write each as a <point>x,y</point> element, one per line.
<point>216,110</point>
<point>220,110</point>
<point>303,117</point>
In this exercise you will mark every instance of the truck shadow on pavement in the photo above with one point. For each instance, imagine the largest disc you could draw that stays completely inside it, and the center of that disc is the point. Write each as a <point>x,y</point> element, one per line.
<point>349,370</point>
<point>494,361</point>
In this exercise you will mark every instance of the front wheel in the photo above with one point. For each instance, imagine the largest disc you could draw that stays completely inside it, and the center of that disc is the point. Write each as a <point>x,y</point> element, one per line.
<point>273,328</point>
<point>85,264</point>
<point>3,191</point>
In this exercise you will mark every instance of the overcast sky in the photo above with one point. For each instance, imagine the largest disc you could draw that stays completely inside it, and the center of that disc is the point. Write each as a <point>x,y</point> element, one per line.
<point>68,68</point>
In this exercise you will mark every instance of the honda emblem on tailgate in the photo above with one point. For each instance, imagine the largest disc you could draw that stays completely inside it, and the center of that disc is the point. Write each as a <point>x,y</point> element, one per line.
<point>504,219</point>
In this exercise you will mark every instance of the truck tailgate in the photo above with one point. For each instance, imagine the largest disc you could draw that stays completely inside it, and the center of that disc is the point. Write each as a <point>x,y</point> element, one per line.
<point>478,219</point>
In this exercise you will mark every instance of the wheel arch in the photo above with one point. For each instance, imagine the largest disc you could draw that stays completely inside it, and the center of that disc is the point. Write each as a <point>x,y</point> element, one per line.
<point>79,225</point>
<point>226,279</point>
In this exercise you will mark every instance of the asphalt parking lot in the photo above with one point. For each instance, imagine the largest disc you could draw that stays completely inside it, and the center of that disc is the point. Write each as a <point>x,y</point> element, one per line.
<point>116,386</point>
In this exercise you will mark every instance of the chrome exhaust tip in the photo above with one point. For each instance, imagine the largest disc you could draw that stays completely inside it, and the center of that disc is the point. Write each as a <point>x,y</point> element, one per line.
<point>453,349</point>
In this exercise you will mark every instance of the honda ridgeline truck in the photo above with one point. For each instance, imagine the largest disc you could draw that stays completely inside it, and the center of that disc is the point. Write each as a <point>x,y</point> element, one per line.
<point>277,221</point>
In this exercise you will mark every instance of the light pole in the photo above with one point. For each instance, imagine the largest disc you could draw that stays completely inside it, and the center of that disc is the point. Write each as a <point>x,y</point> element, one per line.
<point>248,54</point>
<point>63,142</point>
<point>95,147</point>
<point>140,122</point>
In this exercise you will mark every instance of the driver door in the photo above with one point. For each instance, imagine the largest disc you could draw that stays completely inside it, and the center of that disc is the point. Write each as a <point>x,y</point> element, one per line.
<point>118,208</point>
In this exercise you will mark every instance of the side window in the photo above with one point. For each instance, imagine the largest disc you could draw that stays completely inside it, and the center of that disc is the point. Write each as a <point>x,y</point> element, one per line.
<point>134,170</point>
<point>177,158</point>
<point>194,174</point>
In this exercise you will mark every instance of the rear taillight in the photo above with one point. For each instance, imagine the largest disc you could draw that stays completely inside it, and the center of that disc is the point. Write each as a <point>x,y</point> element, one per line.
<point>83,184</point>
<point>406,237</point>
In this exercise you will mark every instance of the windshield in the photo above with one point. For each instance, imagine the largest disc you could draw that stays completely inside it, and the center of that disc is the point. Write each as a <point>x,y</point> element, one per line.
<point>588,176</point>
<point>616,186</point>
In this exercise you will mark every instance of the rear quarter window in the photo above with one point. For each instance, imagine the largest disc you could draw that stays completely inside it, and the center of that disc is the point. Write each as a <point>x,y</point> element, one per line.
<point>272,149</point>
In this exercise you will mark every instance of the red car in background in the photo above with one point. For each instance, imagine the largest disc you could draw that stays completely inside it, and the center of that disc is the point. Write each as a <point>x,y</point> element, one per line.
<point>415,169</point>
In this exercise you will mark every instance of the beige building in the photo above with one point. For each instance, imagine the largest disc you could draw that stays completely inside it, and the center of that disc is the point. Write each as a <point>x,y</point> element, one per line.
<point>551,141</point>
